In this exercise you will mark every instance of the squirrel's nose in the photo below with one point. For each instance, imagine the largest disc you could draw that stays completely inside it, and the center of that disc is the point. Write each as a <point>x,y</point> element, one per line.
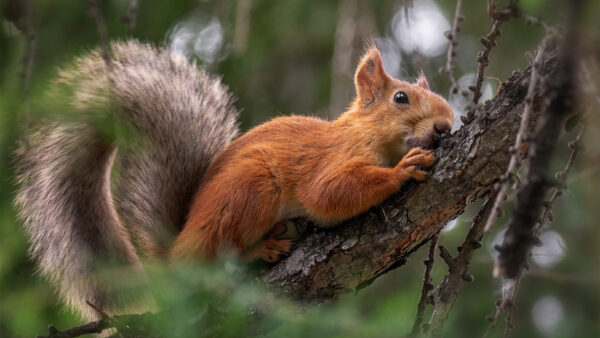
<point>441,127</point>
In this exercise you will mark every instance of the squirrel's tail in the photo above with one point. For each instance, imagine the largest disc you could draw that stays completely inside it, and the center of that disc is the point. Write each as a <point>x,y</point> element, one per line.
<point>66,206</point>
<point>183,118</point>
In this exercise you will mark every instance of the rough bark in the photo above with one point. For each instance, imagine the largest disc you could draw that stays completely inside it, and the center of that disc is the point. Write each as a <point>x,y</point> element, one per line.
<point>331,262</point>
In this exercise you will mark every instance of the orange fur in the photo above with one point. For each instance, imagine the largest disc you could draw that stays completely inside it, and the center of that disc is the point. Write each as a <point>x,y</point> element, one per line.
<point>327,171</point>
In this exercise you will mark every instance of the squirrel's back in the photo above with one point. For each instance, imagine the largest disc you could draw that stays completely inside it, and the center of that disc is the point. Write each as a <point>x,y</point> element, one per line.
<point>182,118</point>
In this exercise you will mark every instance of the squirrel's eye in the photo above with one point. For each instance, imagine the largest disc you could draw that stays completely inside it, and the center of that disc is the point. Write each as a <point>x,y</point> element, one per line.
<point>401,98</point>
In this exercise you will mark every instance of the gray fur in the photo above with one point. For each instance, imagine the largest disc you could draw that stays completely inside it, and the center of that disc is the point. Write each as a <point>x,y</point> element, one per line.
<point>185,118</point>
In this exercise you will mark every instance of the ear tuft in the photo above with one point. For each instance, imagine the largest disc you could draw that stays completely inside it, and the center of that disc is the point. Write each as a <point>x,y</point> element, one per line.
<point>370,78</point>
<point>422,81</point>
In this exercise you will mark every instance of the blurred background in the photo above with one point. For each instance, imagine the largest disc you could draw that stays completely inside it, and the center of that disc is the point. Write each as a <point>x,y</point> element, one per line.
<point>298,56</point>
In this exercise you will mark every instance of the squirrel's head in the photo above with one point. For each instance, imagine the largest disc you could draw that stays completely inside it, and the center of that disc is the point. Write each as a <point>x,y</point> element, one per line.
<point>407,114</point>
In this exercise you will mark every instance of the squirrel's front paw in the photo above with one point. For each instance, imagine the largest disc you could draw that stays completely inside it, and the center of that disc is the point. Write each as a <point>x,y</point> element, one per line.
<point>413,162</point>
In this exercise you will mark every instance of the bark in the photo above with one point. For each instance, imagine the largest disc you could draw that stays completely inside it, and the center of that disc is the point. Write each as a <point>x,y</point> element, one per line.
<point>327,263</point>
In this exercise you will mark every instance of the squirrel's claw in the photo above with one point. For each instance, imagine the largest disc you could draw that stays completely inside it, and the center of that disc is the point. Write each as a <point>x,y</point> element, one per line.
<point>414,161</point>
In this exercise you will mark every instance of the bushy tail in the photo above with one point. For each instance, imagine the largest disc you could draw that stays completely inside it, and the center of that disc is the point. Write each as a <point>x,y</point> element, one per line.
<point>183,118</point>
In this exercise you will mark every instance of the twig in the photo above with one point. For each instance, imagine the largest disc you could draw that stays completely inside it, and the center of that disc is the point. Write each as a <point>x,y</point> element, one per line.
<point>127,326</point>
<point>514,157</point>
<point>28,57</point>
<point>489,41</point>
<point>561,176</point>
<point>511,306</point>
<point>575,146</point>
<point>559,93</point>
<point>452,35</point>
<point>242,26</point>
<point>28,28</point>
<point>427,286</point>
<point>445,294</point>
<point>505,304</point>
<point>532,20</point>
<point>341,60</point>
<point>99,310</point>
<point>130,17</point>
<point>96,15</point>
<point>89,328</point>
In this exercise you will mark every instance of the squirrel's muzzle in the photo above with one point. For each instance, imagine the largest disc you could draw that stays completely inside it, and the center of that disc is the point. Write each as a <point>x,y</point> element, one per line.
<point>431,138</point>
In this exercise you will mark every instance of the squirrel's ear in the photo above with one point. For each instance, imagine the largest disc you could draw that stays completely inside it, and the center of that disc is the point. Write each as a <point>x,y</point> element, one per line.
<point>422,81</point>
<point>370,78</point>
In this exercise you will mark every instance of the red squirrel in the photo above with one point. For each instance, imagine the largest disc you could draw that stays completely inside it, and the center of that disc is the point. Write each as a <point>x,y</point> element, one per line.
<point>186,180</point>
<point>327,171</point>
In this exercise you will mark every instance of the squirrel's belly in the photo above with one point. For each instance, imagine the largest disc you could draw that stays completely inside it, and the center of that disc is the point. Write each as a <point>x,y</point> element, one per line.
<point>292,210</point>
<point>289,211</point>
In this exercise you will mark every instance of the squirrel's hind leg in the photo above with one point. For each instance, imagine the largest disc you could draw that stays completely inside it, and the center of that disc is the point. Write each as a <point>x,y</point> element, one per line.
<point>271,248</point>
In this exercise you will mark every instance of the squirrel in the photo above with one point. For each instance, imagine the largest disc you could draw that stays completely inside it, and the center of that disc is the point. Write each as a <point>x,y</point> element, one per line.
<point>192,189</point>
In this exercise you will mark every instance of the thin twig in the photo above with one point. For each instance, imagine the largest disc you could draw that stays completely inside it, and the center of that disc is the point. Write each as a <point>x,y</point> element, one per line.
<point>28,29</point>
<point>343,51</point>
<point>505,304</point>
<point>29,55</point>
<point>131,16</point>
<point>514,158</point>
<point>489,41</point>
<point>575,146</point>
<point>99,310</point>
<point>89,328</point>
<point>446,293</point>
<point>508,301</point>
<point>427,286</point>
<point>242,26</point>
<point>452,36</point>
<point>126,326</point>
<point>532,20</point>
<point>511,307</point>
<point>96,15</point>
